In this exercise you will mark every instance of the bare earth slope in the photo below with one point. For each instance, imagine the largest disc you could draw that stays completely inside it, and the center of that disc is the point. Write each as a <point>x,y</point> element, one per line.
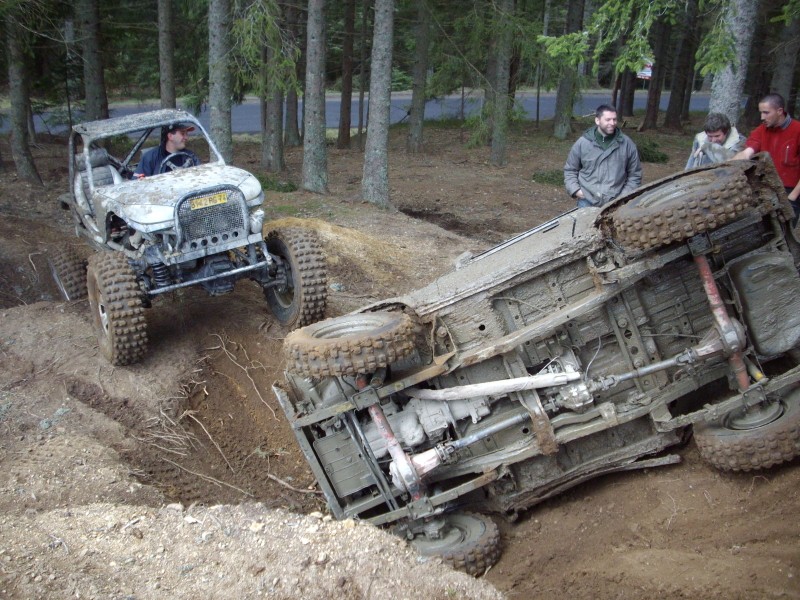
<point>179,478</point>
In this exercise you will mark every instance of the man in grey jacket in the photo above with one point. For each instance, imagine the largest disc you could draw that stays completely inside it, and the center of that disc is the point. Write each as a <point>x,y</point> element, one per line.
<point>603,164</point>
<point>718,142</point>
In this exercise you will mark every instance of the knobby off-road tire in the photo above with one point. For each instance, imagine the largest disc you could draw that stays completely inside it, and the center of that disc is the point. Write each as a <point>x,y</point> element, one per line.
<point>759,447</point>
<point>682,208</point>
<point>469,543</point>
<point>302,300</point>
<point>115,300</point>
<point>69,272</point>
<point>349,345</point>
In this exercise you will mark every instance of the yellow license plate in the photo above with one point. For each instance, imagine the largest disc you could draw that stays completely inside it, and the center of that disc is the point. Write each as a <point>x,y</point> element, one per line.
<point>206,201</point>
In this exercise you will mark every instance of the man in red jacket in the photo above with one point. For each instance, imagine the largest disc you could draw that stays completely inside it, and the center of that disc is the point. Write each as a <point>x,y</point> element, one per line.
<point>779,135</point>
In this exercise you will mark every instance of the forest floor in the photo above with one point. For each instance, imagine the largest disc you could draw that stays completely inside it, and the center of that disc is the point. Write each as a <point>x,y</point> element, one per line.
<point>180,478</point>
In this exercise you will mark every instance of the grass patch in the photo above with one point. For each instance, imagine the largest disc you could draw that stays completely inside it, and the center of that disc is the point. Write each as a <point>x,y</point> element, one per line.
<point>284,210</point>
<point>446,123</point>
<point>649,152</point>
<point>551,177</point>
<point>270,183</point>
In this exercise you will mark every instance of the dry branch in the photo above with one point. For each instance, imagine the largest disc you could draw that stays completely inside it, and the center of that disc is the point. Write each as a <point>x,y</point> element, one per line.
<point>291,487</point>
<point>252,365</point>
<point>207,477</point>
<point>190,414</point>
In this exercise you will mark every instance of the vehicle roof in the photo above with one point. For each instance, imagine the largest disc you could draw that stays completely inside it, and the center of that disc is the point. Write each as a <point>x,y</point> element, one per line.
<point>131,123</point>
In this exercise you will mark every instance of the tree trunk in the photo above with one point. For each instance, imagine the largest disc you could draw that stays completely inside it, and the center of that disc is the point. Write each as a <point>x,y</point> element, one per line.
<point>343,139</point>
<point>687,42</point>
<point>292,131</point>
<point>375,180</point>
<point>87,13</point>
<point>220,80</point>
<point>489,89</point>
<point>514,74</point>
<point>166,54</point>
<point>728,85</point>
<point>362,74</point>
<point>587,67</point>
<point>71,67</point>
<point>272,141</point>
<point>662,32</point>
<point>627,90</point>
<point>687,96</point>
<point>20,102</point>
<point>315,157</point>
<point>291,135</point>
<point>30,124</point>
<point>690,81</point>
<point>500,111</point>
<point>567,85</point>
<point>760,68</point>
<point>785,59</point>
<point>422,38</point>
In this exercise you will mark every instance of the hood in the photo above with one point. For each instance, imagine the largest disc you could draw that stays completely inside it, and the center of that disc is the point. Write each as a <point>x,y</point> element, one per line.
<point>150,203</point>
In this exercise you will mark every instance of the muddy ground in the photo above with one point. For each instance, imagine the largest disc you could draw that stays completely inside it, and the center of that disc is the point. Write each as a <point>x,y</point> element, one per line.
<point>179,477</point>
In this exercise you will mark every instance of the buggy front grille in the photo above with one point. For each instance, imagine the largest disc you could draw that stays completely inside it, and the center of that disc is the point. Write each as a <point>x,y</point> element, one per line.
<point>212,217</point>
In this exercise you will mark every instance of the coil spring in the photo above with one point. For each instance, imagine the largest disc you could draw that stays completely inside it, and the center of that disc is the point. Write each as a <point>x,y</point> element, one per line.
<point>161,276</point>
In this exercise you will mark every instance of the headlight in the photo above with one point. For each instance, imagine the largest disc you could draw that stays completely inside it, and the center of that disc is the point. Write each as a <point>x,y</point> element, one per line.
<point>256,220</point>
<point>251,189</point>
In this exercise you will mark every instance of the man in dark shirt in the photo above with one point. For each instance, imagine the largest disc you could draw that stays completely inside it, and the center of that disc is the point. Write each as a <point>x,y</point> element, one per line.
<point>173,141</point>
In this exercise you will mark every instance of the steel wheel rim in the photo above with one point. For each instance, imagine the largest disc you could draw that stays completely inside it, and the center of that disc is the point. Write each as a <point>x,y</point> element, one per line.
<point>284,293</point>
<point>755,417</point>
<point>101,312</point>
<point>457,530</point>
<point>345,326</point>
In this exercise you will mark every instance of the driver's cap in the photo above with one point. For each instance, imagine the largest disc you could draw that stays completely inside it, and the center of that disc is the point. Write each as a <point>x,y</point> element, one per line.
<point>187,127</point>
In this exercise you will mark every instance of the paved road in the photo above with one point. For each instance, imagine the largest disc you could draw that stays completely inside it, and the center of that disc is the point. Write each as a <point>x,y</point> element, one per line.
<point>245,117</point>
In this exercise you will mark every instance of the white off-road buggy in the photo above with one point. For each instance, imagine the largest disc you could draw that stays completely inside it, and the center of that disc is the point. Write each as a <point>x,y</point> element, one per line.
<point>200,225</point>
<point>585,346</point>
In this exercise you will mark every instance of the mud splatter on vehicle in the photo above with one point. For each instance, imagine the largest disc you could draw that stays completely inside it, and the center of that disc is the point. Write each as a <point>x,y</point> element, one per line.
<point>185,225</point>
<point>587,345</point>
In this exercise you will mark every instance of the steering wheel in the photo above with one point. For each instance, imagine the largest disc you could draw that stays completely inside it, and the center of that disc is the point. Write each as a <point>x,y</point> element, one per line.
<point>122,168</point>
<point>176,160</point>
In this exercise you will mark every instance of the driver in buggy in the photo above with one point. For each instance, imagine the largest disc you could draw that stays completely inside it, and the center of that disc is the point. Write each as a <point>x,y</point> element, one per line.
<point>170,154</point>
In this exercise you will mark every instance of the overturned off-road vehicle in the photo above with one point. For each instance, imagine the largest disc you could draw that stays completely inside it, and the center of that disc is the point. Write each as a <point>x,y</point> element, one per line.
<point>186,225</point>
<point>584,346</point>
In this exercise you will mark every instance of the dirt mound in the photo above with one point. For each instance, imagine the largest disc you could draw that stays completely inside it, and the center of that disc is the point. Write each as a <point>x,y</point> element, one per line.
<point>242,551</point>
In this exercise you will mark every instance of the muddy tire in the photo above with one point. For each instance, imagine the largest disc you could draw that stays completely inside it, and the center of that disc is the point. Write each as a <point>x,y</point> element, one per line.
<point>302,300</point>
<point>69,273</point>
<point>682,208</point>
<point>115,300</point>
<point>734,444</point>
<point>470,542</point>
<point>349,345</point>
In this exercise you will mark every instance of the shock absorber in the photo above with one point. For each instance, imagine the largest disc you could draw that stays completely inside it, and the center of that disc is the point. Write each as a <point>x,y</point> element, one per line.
<point>726,329</point>
<point>161,276</point>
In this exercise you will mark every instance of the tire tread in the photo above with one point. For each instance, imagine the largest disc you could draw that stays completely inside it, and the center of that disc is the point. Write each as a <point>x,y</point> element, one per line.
<point>752,449</point>
<point>126,342</point>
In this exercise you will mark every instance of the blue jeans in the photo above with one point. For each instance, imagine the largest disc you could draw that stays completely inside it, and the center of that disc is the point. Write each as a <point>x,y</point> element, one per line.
<point>795,206</point>
<point>583,203</point>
